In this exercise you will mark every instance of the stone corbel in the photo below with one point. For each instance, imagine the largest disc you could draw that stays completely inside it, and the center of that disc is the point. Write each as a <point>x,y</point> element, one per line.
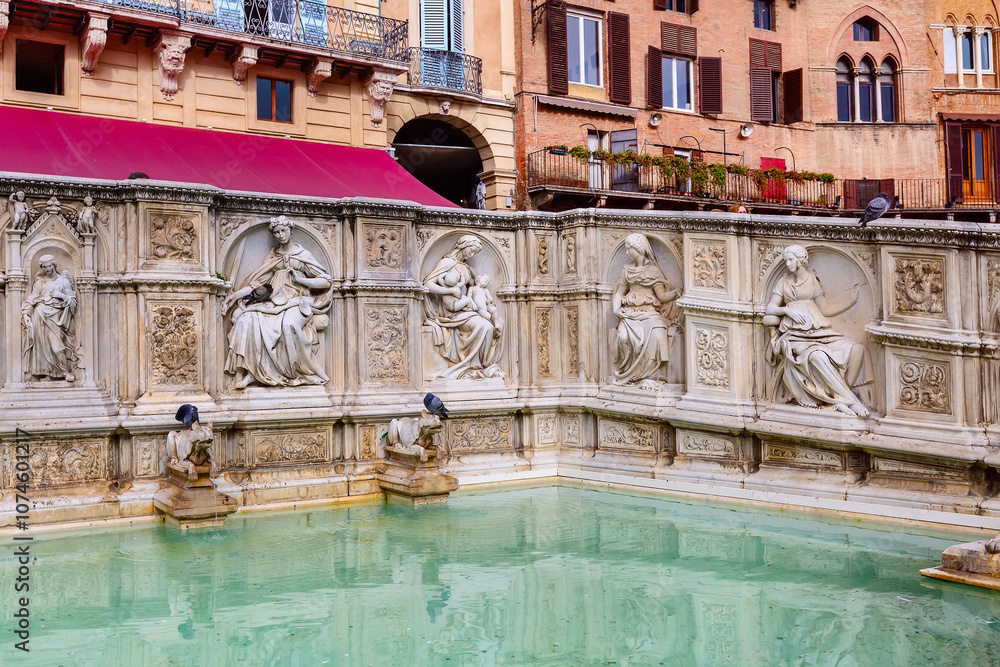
<point>170,54</point>
<point>4,21</point>
<point>92,42</point>
<point>246,57</point>
<point>319,71</point>
<point>379,87</point>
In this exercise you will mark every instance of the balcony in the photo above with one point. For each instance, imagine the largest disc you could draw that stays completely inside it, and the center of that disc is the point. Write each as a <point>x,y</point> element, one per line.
<point>433,68</point>
<point>556,180</point>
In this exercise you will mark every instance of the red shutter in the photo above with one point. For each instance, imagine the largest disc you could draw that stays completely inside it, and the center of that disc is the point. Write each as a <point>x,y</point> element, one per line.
<point>953,143</point>
<point>660,5</point>
<point>773,55</point>
<point>654,79</point>
<point>792,107</point>
<point>688,41</point>
<point>670,37</point>
<point>761,102</point>
<point>692,6</point>
<point>888,186</point>
<point>558,55</point>
<point>621,71</point>
<point>996,162</point>
<point>758,53</point>
<point>710,85</point>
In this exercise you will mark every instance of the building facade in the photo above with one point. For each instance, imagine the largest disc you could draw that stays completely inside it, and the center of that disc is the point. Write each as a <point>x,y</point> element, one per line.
<point>845,100</point>
<point>351,73</point>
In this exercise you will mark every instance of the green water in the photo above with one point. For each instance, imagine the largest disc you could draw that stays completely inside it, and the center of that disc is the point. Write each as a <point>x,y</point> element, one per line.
<point>530,576</point>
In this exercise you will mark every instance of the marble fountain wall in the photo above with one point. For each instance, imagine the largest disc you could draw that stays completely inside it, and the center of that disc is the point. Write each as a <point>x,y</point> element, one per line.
<point>699,393</point>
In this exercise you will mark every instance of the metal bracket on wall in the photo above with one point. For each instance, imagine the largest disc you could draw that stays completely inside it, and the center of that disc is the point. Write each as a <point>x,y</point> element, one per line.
<point>538,8</point>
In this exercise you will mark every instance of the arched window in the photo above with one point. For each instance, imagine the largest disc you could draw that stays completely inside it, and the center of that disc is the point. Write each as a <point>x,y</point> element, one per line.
<point>866,91</point>
<point>845,92</point>
<point>865,30</point>
<point>887,84</point>
<point>967,46</point>
<point>986,50</point>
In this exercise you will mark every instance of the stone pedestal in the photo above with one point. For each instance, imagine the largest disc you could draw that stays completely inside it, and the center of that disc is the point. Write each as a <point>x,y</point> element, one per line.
<point>192,503</point>
<point>968,563</point>
<point>408,479</point>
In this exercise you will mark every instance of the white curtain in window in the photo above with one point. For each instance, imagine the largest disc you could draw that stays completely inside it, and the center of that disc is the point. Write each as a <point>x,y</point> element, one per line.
<point>949,51</point>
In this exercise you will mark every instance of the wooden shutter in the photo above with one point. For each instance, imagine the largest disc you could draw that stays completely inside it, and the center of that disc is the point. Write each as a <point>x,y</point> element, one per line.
<point>433,24</point>
<point>679,40</point>
<point>773,55</point>
<point>456,27</point>
<point>953,143</point>
<point>996,161</point>
<point>660,5</point>
<point>558,56</point>
<point>761,101</point>
<point>792,102</point>
<point>765,54</point>
<point>692,6</point>
<point>654,79</point>
<point>621,72</point>
<point>710,85</point>
<point>888,186</point>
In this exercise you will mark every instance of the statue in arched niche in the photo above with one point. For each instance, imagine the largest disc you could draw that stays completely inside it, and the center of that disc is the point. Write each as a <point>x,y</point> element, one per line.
<point>466,331</point>
<point>279,312</point>
<point>48,317</point>
<point>818,366</point>
<point>643,303</point>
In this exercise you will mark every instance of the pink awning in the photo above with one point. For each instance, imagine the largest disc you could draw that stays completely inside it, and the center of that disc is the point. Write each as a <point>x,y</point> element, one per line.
<point>51,143</point>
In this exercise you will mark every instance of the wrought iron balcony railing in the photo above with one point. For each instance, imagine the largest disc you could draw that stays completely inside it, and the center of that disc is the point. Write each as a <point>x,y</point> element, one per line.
<point>297,21</point>
<point>445,69</point>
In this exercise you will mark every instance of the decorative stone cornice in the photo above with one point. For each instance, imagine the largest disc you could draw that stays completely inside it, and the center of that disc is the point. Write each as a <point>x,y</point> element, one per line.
<point>320,70</point>
<point>246,57</point>
<point>742,312</point>
<point>170,54</point>
<point>379,85</point>
<point>964,343</point>
<point>92,41</point>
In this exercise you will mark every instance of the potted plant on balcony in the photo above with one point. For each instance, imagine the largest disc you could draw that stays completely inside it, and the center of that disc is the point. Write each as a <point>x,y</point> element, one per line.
<point>558,149</point>
<point>581,153</point>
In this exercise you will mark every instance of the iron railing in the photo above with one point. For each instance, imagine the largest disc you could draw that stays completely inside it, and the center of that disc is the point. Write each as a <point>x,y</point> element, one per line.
<point>297,21</point>
<point>445,69</point>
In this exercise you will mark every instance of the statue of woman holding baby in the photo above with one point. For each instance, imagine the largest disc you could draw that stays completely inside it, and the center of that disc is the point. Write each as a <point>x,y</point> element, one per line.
<point>465,334</point>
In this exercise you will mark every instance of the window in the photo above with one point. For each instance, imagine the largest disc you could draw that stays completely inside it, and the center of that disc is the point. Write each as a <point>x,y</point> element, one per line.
<point>866,92</point>
<point>274,100</point>
<point>986,51</point>
<point>763,14</point>
<point>677,5</point>
<point>38,67</point>
<point>948,51</point>
<point>678,83</point>
<point>887,85</point>
<point>865,30</point>
<point>440,25</point>
<point>967,63</point>
<point>765,72</point>
<point>845,92</point>
<point>969,50</point>
<point>583,42</point>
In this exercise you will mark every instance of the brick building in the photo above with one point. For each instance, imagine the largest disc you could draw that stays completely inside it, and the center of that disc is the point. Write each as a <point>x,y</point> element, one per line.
<point>869,95</point>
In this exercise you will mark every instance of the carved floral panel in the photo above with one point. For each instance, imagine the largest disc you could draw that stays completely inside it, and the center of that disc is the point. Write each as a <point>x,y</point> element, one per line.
<point>919,286</point>
<point>172,237</point>
<point>173,340</point>
<point>712,350</point>
<point>290,447</point>
<point>543,333</point>
<point>627,436</point>
<point>573,333</point>
<point>480,435</point>
<point>66,462</point>
<point>385,339</point>
<point>573,429</point>
<point>708,261</point>
<point>383,247</point>
<point>784,454</point>
<point>767,255</point>
<point>544,252</point>
<point>368,443</point>
<point>993,279</point>
<point>705,445</point>
<point>147,450</point>
<point>547,428</point>
<point>924,386</point>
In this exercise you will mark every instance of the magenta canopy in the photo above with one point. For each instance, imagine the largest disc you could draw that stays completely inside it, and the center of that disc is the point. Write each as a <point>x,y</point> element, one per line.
<point>51,143</point>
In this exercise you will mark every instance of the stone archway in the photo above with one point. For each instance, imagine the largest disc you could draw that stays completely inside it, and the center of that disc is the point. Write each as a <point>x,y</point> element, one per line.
<point>440,156</point>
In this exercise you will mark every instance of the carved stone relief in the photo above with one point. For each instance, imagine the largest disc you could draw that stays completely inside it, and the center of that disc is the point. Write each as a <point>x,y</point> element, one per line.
<point>543,333</point>
<point>172,237</point>
<point>712,348</point>
<point>246,57</point>
<point>63,462</point>
<point>383,247</point>
<point>379,85</point>
<point>547,428</point>
<point>570,242</point>
<point>368,448</point>
<point>240,449</point>
<point>573,332</point>
<point>290,447</point>
<point>627,436</point>
<point>767,254</point>
<point>993,279</point>
<point>48,322</point>
<point>504,242</point>
<point>702,444</point>
<point>609,242</point>
<point>320,70</point>
<point>919,286</point>
<point>92,41</point>
<point>481,435</point>
<point>146,454</point>
<point>573,429</point>
<point>423,236</point>
<point>173,344</point>
<point>868,257</point>
<point>543,255</point>
<point>385,337</point>
<point>924,386</point>
<point>807,456</point>
<point>170,59</point>
<point>230,223</point>
<point>22,211</point>
<point>709,264</point>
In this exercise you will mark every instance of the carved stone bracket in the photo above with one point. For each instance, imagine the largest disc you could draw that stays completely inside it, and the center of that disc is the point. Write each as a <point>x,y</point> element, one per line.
<point>92,42</point>
<point>4,21</point>
<point>170,56</point>
<point>319,71</point>
<point>246,57</point>
<point>379,88</point>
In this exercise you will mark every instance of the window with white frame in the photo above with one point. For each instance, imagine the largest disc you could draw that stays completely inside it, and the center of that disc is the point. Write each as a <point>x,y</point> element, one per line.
<point>970,49</point>
<point>583,45</point>
<point>678,83</point>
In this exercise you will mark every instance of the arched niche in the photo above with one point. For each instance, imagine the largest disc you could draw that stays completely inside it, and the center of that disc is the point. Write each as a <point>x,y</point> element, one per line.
<point>490,260</point>
<point>245,250</point>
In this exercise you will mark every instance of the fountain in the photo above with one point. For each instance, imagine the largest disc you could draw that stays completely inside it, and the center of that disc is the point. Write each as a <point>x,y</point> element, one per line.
<point>974,563</point>
<point>411,471</point>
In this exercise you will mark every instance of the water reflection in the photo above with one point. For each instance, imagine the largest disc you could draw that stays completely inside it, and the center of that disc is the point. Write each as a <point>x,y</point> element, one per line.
<point>531,576</point>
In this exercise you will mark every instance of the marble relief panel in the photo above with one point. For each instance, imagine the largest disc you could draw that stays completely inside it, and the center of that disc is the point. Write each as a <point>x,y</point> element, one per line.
<point>712,356</point>
<point>173,337</point>
<point>708,264</point>
<point>386,356</point>
<point>796,456</point>
<point>383,249</point>
<point>627,436</point>
<point>147,450</point>
<point>481,435</point>
<point>290,446</point>
<point>543,338</point>
<point>706,445</point>
<point>174,237</point>
<point>66,461</point>
<point>923,385</point>
<point>919,286</point>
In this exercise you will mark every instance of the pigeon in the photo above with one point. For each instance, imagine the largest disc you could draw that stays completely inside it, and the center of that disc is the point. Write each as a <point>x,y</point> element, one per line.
<point>876,208</point>
<point>188,414</point>
<point>259,294</point>
<point>435,406</point>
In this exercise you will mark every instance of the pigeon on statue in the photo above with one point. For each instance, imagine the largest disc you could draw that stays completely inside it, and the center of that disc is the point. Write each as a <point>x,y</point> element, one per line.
<point>435,406</point>
<point>876,208</point>
<point>188,414</point>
